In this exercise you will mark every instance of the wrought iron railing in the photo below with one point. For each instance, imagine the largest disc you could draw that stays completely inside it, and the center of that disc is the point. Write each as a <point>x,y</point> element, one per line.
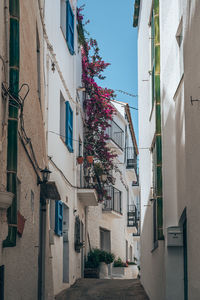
<point>114,202</point>
<point>116,134</point>
<point>132,216</point>
<point>131,159</point>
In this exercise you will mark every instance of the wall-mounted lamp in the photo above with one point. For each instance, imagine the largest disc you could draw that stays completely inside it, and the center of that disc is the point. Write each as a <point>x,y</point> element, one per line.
<point>45,175</point>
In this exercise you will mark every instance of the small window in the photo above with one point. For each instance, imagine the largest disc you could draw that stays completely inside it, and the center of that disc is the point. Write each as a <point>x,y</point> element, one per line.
<point>69,127</point>
<point>58,218</point>
<point>67,23</point>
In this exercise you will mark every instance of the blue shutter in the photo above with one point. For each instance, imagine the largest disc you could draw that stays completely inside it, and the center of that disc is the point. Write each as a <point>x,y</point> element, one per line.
<point>69,127</point>
<point>58,218</point>
<point>70,28</point>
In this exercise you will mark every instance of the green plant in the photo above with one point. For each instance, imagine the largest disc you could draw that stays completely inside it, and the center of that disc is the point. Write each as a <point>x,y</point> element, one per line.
<point>106,257</point>
<point>96,256</point>
<point>119,263</point>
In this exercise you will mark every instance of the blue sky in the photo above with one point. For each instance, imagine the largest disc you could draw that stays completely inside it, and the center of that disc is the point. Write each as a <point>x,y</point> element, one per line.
<point>111,24</point>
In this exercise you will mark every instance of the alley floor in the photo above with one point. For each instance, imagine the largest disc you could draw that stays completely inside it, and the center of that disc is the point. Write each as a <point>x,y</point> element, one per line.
<point>104,289</point>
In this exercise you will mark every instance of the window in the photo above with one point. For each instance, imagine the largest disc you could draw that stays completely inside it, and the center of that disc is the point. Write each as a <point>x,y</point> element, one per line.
<point>69,127</point>
<point>58,217</point>
<point>152,57</point>
<point>67,23</point>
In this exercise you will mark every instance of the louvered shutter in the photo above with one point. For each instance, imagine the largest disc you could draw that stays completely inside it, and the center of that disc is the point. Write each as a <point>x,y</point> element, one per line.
<point>58,217</point>
<point>70,28</point>
<point>69,127</point>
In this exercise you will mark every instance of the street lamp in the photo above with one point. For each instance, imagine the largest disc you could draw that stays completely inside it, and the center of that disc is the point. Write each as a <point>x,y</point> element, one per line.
<point>45,175</point>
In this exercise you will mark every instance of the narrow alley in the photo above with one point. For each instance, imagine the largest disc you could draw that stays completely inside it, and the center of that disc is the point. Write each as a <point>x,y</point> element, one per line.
<point>104,289</point>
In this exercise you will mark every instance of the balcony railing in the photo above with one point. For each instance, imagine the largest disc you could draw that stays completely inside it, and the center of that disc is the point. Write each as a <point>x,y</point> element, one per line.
<point>115,200</point>
<point>132,216</point>
<point>131,160</point>
<point>116,134</point>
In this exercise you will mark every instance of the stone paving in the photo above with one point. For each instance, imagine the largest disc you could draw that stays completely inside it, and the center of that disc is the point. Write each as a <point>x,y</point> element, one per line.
<point>104,289</point>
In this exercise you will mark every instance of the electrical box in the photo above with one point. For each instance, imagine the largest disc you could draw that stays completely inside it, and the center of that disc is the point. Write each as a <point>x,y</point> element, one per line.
<point>174,236</point>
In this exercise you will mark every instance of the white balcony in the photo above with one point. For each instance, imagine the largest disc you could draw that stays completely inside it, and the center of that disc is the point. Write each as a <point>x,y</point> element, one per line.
<point>87,196</point>
<point>116,138</point>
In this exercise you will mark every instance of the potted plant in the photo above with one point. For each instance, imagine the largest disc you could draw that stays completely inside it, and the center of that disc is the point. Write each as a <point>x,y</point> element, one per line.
<point>92,264</point>
<point>98,259</point>
<point>104,177</point>
<point>80,160</point>
<point>90,159</point>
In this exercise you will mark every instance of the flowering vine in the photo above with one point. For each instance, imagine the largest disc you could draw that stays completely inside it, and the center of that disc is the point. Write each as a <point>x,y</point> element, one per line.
<point>98,108</point>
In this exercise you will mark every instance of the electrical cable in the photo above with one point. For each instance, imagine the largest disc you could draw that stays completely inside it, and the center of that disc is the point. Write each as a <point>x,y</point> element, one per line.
<point>64,136</point>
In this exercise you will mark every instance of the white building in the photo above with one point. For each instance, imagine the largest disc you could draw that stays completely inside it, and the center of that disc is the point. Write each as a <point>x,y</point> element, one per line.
<point>168,75</point>
<point>64,110</point>
<point>112,224</point>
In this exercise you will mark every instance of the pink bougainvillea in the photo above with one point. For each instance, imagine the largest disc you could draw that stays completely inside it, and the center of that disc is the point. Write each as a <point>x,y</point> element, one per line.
<point>98,107</point>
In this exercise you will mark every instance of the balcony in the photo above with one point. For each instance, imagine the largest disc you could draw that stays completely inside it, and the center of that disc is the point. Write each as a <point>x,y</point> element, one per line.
<point>86,192</point>
<point>131,163</point>
<point>116,137</point>
<point>114,204</point>
<point>132,219</point>
<point>87,196</point>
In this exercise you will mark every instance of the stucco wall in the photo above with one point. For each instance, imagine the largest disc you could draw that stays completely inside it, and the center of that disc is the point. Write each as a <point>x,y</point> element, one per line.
<point>21,261</point>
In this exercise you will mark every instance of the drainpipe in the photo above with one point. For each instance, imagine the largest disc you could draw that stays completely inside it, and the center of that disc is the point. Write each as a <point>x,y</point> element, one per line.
<point>12,137</point>
<point>42,249</point>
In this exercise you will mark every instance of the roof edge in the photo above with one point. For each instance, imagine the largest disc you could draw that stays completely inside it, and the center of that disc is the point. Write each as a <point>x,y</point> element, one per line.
<point>127,110</point>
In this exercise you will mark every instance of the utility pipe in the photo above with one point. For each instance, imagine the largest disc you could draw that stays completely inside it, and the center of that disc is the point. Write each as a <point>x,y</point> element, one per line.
<point>12,137</point>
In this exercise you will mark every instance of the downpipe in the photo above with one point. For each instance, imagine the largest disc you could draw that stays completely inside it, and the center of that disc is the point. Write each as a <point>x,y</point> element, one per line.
<point>12,135</point>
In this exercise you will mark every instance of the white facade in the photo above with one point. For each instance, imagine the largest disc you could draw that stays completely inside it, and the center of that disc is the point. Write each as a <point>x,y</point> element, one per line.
<point>174,270</point>
<point>63,79</point>
<point>114,221</point>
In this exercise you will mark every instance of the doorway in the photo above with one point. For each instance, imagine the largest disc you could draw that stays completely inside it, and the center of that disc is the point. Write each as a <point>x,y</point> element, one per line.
<point>82,249</point>
<point>65,243</point>
<point>185,264</point>
<point>105,243</point>
<point>2,282</point>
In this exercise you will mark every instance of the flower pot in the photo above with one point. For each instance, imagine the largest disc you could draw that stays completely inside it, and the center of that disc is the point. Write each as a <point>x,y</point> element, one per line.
<point>104,177</point>
<point>6,199</point>
<point>80,160</point>
<point>90,159</point>
<point>103,270</point>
